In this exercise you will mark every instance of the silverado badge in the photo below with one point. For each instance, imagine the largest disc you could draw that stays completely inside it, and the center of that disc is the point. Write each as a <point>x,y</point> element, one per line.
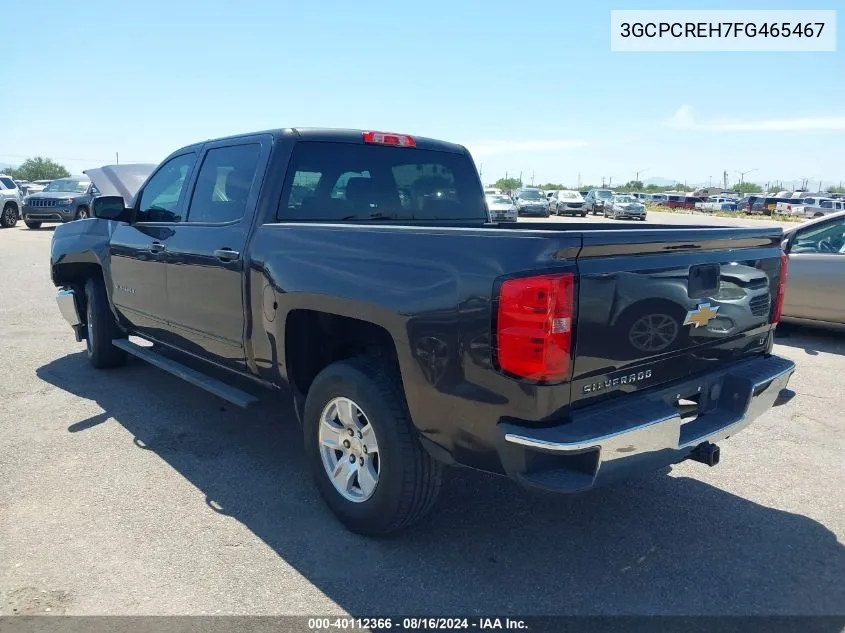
<point>701,315</point>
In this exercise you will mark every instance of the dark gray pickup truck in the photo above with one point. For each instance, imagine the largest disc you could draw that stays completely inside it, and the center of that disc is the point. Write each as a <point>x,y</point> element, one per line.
<point>360,271</point>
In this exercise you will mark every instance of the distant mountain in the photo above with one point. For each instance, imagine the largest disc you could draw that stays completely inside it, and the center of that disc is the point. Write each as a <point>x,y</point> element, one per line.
<point>657,181</point>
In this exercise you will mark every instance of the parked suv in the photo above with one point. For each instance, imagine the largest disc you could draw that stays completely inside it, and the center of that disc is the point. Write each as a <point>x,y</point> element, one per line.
<point>62,200</point>
<point>531,202</point>
<point>595,200</point>
<point>10,202</point>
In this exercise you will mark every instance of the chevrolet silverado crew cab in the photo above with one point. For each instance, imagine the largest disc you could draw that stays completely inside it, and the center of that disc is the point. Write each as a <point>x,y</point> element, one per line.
<point>360,271</point>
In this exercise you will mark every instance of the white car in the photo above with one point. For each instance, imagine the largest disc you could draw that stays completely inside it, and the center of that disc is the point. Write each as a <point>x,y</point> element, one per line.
<point>716,203</point>
<point>501,208</point>
<point>812,207</point>
<point>567,202</point>
<point>10,202</point>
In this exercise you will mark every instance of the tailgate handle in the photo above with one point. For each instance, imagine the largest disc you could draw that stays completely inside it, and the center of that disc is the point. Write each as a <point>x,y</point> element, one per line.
<point>703,281</point>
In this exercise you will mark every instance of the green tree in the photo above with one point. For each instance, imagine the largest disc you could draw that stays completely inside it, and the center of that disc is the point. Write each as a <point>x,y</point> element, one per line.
<point>748,187</point>
<point>632,185</point>
<point>552,185</point>
<point>508,183</point>
<point>836,189</point>
<point>39,168</point>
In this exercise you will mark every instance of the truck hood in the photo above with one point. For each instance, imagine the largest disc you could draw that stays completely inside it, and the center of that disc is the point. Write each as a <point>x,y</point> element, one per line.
<point>120,180</point>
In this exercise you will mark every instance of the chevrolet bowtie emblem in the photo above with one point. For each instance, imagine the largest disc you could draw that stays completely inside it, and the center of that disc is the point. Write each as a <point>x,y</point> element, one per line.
<point>701,315</point>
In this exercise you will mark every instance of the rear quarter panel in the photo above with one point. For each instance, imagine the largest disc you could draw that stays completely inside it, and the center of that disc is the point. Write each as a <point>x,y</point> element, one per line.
<point>431,290</point>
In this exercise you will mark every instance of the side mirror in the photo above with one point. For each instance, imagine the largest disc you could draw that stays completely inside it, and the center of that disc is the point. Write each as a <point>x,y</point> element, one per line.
<point>111,208</point>
<point>785,245</point>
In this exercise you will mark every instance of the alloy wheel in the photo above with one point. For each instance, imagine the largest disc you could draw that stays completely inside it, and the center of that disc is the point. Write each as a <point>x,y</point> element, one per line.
<point>349,449</point>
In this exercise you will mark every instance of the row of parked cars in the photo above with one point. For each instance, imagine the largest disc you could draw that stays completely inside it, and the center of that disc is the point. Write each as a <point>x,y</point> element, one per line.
<point>506,207</point>
<point>60,200</point>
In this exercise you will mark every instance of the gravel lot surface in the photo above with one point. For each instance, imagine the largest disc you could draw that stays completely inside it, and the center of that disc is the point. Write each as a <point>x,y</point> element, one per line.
<point>130,492</point>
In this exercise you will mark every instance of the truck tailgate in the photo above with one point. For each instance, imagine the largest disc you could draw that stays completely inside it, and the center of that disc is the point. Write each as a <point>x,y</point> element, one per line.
<point>657,306</point>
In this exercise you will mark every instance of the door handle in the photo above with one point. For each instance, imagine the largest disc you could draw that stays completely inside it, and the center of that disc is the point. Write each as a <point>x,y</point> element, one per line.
<point>156,247</point>
<point>226,254</point>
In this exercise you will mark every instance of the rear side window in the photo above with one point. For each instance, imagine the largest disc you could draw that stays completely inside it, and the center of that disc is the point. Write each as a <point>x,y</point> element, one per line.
<point>8,183</point>
<point>223,184</point>
<point>347,182</point>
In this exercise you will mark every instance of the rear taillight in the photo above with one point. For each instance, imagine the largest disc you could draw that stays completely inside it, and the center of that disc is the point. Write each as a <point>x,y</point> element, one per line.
<point>784,264</point>
<point>534,326</point>
<point>389,138</point>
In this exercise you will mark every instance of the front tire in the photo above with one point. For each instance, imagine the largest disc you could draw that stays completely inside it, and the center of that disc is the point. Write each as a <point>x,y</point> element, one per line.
<point>32,225</point>
<point>9,216</point>
<point>82,214</point>
<point>101,328</point>
<point>372,492</point>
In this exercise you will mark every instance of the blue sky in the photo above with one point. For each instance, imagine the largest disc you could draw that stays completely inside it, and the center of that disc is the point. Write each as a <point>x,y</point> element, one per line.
<point>528,86</point>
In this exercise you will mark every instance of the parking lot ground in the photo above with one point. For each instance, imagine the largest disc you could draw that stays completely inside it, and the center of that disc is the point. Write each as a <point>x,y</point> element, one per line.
<point>130,492</point>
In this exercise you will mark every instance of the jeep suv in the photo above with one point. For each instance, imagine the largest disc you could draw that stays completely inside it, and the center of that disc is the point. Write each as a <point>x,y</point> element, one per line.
<point>63,200</point>
<point>10,202</point>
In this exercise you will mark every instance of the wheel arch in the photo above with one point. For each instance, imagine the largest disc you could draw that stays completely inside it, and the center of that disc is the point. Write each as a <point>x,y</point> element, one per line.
<point>314,339</point>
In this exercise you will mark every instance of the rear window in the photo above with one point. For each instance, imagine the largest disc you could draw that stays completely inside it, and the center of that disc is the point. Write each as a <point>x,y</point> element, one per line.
<point>347,182</point>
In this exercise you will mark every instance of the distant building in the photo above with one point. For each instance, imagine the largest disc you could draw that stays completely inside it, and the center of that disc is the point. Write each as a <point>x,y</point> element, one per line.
<point>712,191</point>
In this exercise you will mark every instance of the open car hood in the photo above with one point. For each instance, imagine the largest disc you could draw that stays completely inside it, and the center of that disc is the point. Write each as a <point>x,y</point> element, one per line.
<point>120,180</point>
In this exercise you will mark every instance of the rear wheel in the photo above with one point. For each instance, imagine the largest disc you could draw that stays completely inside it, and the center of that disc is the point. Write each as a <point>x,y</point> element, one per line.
<point>9,216</point>
<point>583,215</point>
<point>32,225</point>
<point>363,450</point>
<point>101,328</point>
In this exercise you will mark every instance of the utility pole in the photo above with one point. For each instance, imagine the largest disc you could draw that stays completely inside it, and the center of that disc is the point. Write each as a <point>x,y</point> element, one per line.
<point>610,183</point>
<point>742,175</point>
<point>116,158</point>
<point>520,179</point>
<point>725,177</point>
<point>638,172</point>
<point>602,182</point>
<point>711,181</point>
<point>532,177</point>
<point>579,181</point>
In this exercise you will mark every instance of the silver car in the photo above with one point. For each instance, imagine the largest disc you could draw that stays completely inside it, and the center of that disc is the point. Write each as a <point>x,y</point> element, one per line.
<point>815,283</point>
<point>501,208</point>
<point>624,206</point>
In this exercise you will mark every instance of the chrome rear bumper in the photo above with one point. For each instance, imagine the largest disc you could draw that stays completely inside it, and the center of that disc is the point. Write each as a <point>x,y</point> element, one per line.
<point>643,431</point>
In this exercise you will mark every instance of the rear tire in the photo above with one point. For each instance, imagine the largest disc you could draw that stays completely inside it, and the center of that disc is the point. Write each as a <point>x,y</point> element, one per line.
<point>9,216</point>
<point>583,215</point>
<point>407,480</point>
<point>32,225</point>
<point>101,328</point>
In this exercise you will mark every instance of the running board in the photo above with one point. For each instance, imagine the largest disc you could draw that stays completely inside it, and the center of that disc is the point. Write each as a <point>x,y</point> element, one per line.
<point>212,385</point>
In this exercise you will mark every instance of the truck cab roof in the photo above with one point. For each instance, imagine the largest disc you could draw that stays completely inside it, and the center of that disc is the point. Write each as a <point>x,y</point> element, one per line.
<point>333,135</point>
